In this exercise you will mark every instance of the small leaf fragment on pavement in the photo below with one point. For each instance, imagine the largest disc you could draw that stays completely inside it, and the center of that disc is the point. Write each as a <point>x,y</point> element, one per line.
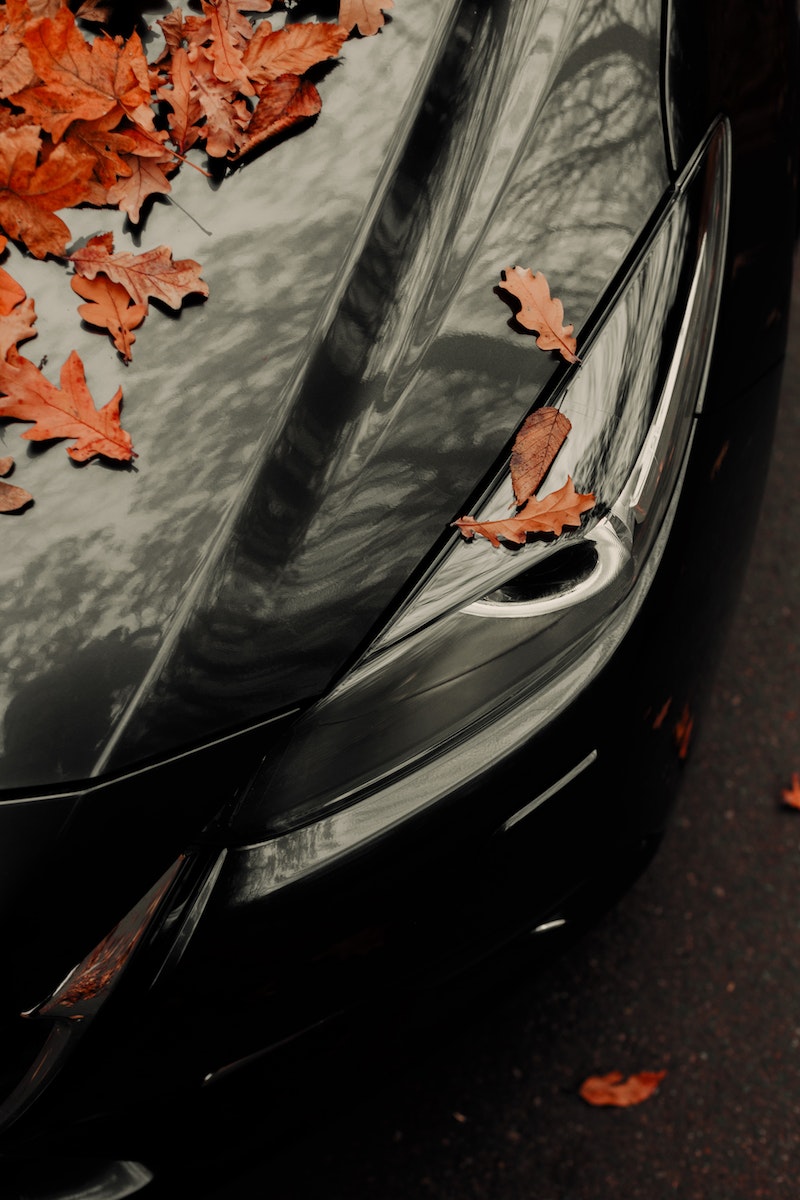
<point>791,795</point>
<point>613,1090</point>
<point>11,498</point>
<point>540,312</point>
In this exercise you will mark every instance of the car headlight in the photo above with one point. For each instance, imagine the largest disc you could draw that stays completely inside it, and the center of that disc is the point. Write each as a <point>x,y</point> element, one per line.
<point>493,643</point>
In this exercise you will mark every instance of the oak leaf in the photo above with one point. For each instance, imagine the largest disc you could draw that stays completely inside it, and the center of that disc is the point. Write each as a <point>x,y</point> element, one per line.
<point>366,15</point>
<point>151,275</point>
<point>540,312</point>
<point>791,795</point>
<point>11,498</point>
<point>110,307</point>
<point>548,515</point>
<point>538,442</point>
<point>291,50</point>
<point>31,192</point>
<point>65,412</point>
<point>614,1090</point>
<point>82,80</point>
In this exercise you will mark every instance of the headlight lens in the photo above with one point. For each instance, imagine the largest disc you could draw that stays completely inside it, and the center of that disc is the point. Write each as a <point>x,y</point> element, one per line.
<point>445,667</point>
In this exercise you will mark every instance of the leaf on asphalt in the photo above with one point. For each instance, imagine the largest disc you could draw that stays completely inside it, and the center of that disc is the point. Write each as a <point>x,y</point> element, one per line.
<point>539,311</point>
<point>537,443</point>
<point>12,498</point>
<point>614,1090</point>
<point>791,795</point>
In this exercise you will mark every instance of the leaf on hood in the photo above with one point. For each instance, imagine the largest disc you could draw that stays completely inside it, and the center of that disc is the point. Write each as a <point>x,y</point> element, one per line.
<point>110,307</point>
<point>65,412</point>
<point>549,515</point>
<point>151,275</point>
<point>83,80</point>
<point>537,443</point>
<point>366,15</point>
<point>540,312</point>
<point>791,795</point>
<point>31,191</point>
<point>614,1090</point>
<point>12,498</point>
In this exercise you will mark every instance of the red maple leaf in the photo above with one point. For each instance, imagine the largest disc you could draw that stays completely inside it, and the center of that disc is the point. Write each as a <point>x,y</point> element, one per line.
<point>65,412</point>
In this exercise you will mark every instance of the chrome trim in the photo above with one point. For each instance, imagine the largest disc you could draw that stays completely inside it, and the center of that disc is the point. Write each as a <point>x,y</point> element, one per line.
<point>548,792</point>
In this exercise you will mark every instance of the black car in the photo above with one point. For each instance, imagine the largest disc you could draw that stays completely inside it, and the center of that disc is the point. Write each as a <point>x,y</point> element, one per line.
<point>283,750</point>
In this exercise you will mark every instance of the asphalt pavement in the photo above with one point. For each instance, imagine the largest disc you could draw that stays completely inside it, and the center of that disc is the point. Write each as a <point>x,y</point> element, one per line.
<point>695,972</point>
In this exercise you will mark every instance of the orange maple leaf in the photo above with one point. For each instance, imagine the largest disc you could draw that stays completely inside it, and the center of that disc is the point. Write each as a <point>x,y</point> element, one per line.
<point>540,312</point>
<point>538,442</point>
<point>791,795</point>
<point>614,1090</point>
<point>110,307</point>
<point>151,275</point>
<point>364,14</point>
<point>30,192</point>
<point>12,498</point>
<point>65,412</point>
<point>549,515</point>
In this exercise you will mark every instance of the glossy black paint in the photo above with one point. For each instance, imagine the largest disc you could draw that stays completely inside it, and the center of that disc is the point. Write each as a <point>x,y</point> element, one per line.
<point>371,932</point>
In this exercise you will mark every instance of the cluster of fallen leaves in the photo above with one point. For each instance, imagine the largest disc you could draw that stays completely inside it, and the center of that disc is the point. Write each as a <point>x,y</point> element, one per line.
<point>542,434</point>
<point>85,118</point>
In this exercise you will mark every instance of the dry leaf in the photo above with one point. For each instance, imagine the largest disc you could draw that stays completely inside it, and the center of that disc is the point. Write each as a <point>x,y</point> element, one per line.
<point>65,412</point>
<point>110,307</point>
<point>151,275</point>
<point>281,103</point>
<point>549,515</point>
<point>12,498</point>
<point>791,795</point>
<point>366,15</point>
<point>682,732</point>
<point>537,443</point>
<point>614,1090</point>
<point>31,192</point>
<point>540,312</point>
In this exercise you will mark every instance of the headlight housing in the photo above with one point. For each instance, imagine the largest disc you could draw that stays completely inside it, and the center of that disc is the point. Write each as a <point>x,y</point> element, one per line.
<point>491,640</point>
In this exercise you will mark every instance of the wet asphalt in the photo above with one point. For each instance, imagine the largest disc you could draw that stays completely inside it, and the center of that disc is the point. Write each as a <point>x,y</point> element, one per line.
<point>696,971</point>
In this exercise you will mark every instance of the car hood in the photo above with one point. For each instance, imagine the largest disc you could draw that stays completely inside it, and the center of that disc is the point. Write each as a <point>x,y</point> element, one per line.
<point>307,433</point>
